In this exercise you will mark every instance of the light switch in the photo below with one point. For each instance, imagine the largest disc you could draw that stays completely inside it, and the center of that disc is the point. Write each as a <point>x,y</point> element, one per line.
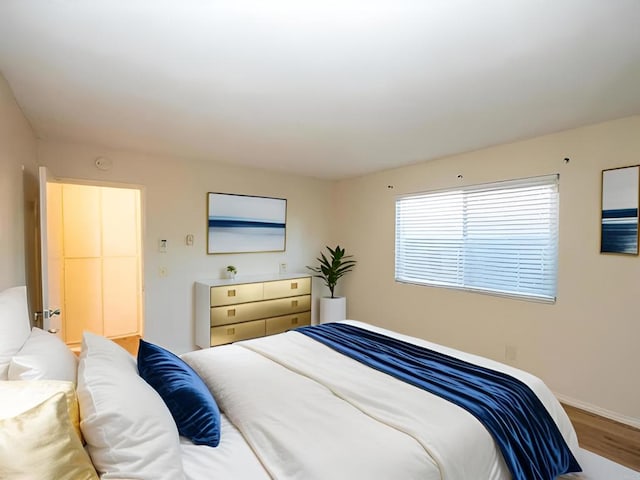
<point>162,246</point>
<point>189,240</point>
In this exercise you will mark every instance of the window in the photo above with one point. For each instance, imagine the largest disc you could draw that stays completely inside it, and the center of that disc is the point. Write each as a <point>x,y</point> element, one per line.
<point>499,238</point>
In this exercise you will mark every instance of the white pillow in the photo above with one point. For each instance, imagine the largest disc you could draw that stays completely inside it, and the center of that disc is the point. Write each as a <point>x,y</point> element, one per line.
<point>14,325</point>
<point>128,428</point>
<point>44,357</point>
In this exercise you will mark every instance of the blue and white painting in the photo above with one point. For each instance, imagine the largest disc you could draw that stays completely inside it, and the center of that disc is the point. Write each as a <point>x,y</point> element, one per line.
<point>244,223</point>
<point>620,210</point>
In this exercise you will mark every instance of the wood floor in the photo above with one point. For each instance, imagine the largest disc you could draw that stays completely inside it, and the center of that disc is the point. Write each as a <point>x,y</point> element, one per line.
<point>613,440</point>
<point>129,343</point>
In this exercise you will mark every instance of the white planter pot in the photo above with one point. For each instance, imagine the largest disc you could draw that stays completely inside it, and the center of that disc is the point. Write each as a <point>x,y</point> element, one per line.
<point>333,309</point>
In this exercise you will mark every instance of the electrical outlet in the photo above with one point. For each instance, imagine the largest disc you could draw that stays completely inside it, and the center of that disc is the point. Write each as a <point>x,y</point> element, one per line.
<point>189,240</point>
<point>283,267</point>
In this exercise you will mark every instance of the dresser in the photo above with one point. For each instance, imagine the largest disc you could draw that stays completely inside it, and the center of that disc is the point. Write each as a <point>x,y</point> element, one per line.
<point>250,307</point>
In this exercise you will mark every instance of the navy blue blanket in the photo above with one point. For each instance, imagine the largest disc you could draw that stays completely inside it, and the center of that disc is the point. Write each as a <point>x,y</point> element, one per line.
<point>528,437</point>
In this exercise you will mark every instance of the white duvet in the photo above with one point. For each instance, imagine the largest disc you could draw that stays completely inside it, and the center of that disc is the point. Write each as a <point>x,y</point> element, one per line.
<point>308,412</point>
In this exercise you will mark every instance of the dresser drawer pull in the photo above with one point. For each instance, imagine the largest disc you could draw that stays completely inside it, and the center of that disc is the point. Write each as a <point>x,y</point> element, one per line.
<point>294,303</point>
<point>294,285</point>
<point>231,331</point>
<point>231,312</point>
<point>294,321</point>
<point>231,293</point>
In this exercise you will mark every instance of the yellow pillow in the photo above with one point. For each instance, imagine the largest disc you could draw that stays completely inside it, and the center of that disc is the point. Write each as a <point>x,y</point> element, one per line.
<point>40,444</point>
<point>20,395</point>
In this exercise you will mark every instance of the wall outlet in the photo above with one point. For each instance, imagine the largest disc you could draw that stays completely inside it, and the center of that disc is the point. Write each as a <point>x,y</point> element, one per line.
<point>283,267</point>
<point>189,240</point>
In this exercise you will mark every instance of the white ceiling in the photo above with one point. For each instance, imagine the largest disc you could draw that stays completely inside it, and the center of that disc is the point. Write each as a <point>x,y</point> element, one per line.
<point>326,88</point>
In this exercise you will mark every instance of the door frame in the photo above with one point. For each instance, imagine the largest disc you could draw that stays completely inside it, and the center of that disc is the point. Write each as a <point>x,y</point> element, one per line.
<point>38,297</point>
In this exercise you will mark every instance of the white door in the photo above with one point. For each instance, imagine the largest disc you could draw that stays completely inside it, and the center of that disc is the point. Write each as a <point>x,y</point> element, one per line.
<point>50,262</point>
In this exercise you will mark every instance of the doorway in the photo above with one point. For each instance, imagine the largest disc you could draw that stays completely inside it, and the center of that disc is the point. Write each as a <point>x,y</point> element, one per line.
<point>93,262</point>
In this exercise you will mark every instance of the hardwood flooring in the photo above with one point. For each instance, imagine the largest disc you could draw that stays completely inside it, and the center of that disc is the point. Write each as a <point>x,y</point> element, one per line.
<point>130,344</point>
<point>613,440</point>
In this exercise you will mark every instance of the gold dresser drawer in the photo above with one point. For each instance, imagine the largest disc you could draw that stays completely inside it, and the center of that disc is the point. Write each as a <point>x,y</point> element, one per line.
<point>231,294</point>
<point>287,322</point>
<point>251,311</point>
<point>287,288</point>
<point>236,332</point>
<point>228,310</point>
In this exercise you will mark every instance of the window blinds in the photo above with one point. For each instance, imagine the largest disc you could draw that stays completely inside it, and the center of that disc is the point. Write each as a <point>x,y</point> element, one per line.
<point>497,238</point>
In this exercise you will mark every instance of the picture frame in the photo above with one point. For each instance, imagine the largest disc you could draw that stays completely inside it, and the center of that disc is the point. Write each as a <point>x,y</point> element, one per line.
<point>245,223</point>
<point>619,210</point>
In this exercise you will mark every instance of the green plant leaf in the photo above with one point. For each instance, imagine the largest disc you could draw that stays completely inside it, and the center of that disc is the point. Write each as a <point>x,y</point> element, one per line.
<point>334,267</point>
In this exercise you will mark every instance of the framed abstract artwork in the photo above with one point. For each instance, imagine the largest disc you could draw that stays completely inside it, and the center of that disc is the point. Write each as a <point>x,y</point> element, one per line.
<point>619,220</point>
<point>245,223</point>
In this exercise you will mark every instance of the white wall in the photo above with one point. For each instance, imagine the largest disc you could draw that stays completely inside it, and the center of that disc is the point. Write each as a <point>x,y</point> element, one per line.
<point>17,148</point>
<point>174,204</point>
<point>586,345</point>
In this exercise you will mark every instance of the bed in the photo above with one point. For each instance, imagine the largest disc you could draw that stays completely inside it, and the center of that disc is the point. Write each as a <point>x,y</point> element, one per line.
<point>290,407</point>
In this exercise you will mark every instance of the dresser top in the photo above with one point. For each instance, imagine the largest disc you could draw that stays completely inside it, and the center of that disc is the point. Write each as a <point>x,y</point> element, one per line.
<point>267,277</point>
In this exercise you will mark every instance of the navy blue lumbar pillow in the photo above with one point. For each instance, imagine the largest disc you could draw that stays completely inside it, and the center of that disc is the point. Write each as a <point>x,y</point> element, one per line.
<point>190,402</point>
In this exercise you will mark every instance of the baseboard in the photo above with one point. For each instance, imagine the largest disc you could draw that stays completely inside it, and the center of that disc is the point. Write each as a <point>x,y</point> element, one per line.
<point>602,412</point>
<point>605,433</point>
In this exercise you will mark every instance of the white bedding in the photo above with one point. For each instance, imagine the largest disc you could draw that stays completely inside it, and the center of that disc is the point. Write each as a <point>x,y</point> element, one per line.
<point>308,412</point>
<point>232,459</point>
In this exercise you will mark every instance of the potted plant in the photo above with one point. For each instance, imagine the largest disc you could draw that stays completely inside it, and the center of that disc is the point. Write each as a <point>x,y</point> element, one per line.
<point>231,271</point>
<point>331,269</point>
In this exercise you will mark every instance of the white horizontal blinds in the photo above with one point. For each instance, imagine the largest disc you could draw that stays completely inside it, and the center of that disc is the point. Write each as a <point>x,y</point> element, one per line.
<point>429,238</point>
<point>500,237</point>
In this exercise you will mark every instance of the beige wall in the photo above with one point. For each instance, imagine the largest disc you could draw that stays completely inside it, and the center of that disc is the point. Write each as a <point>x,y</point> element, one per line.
<point>17,148</point>
<point>586,345</point>
<point>174,205</point>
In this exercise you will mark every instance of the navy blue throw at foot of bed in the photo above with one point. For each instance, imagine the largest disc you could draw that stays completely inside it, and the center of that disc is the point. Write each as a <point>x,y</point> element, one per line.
<point>527,436</point>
